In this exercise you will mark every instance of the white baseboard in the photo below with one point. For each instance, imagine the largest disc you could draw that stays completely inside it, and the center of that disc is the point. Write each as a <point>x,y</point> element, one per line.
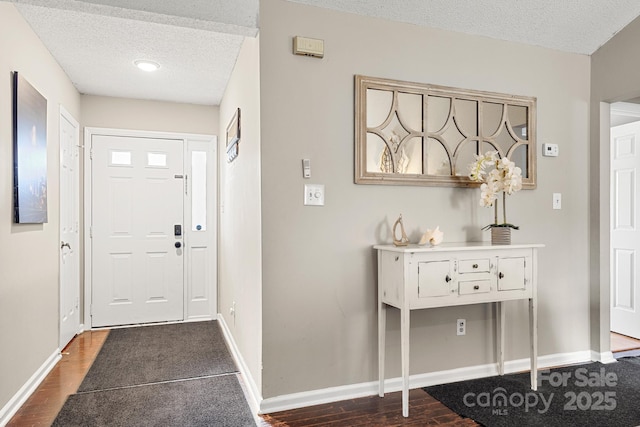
<point>606,357</point>
<point>354,391</point>
<point>10,409</point>
<point>254,395</point>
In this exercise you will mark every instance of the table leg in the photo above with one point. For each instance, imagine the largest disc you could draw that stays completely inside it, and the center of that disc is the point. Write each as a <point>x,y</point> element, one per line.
<point>382,328</point>
<point>500,318</point>
<point>405,314</point>
<point>533,336</point>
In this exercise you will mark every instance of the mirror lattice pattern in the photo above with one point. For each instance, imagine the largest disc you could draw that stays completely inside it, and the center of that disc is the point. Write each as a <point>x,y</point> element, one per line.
<point>407,133</point>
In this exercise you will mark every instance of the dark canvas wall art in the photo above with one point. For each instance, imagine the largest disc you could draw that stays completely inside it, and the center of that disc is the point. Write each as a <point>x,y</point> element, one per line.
<point>29,153</point>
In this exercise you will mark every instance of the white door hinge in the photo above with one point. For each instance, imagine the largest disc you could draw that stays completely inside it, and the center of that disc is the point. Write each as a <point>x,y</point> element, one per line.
<point>90,232</point>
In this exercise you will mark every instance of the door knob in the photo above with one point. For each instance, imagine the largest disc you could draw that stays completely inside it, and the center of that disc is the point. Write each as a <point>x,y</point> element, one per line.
<point>500,275</point>
<point>447,279</point>
<point>178,245</point>
<point>63,244</point>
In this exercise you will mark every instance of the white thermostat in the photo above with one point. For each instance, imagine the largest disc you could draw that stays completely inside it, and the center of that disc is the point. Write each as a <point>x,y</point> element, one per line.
<point>550,150</point>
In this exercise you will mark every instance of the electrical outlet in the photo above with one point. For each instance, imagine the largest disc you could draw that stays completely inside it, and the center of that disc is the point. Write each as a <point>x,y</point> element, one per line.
<point>461,328</point>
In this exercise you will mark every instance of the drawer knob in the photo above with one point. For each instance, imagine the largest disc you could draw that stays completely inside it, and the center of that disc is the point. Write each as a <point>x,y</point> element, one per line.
<point>500,275</point>
<point>447,279</point>
<point>476,287</point>
<point>475,265</point>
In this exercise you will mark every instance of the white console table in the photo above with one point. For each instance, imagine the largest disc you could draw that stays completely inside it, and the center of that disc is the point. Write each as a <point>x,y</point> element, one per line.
<point>417,277</point>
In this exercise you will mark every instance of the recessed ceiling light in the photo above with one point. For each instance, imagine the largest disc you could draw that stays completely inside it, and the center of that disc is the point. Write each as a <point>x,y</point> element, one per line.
<point>146,65</point>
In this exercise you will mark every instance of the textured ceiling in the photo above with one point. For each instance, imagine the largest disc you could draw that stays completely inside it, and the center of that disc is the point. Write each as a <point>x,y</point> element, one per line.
<point>197,41</point>
<point>577,26</point>
<point>196,44</point>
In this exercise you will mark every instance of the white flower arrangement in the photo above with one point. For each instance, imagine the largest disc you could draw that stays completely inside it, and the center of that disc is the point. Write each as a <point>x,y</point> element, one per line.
<point>504,177</point>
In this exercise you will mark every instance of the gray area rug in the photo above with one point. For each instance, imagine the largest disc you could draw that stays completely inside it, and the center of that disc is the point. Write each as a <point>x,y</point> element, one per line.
<point>162,375</point>
<point>582,395</point>
<point>213,401</point>
<point>151,354</point>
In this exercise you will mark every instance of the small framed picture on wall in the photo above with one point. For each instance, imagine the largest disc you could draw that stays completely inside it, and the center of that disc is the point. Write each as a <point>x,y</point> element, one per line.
<point>233,136</point>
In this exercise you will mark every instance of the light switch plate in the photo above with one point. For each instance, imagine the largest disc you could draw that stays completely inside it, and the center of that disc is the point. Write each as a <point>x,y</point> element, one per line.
<point>550,150</point>
<point>314,195</point>
<point>557,201</point>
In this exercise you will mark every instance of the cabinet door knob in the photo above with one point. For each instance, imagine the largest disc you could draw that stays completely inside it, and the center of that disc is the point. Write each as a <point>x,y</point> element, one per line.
<point>476,287</point>
<point>500,275</point>
<point>447,279</point>
<point>475,265</point>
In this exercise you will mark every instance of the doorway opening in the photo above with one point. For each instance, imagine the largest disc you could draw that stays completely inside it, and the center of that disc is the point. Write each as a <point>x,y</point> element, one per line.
<point>624,226</point>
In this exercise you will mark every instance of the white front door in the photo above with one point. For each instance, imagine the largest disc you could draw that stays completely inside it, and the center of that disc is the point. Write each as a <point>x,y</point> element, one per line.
<point>69,229</point>
<point>625,235</point>
<point>137,237</point>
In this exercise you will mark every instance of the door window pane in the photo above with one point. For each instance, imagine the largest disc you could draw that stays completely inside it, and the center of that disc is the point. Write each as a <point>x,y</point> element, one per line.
<point>199,190</point>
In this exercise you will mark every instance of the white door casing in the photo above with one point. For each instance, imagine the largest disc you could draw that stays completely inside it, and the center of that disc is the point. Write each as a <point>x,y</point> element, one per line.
<point>200,249</point>
<point>69,315</point>
<point>625,235</point>
<point>137,186</point>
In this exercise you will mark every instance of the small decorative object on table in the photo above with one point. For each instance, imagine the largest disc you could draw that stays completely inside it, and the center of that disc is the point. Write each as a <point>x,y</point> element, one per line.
<point>433,237</point>
<point>404,240</point>
<point>505,178</point>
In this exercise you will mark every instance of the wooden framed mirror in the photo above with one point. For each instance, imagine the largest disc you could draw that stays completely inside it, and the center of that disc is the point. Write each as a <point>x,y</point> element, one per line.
<point>421,134</point>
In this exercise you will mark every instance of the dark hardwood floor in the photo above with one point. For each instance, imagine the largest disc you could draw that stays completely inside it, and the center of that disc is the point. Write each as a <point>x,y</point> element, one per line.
<point>44,404</point>
<point>424,410</point>
<point>42,407</point>
<point>64,379</point>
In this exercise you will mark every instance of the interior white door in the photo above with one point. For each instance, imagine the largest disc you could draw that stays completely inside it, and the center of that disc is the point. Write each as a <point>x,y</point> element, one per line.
<point>625,236</point>
<point>137,240</point>
<point>69,229</point>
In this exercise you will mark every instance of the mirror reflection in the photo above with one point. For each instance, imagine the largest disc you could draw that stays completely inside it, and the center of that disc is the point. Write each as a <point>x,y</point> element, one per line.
<point>409,133</point>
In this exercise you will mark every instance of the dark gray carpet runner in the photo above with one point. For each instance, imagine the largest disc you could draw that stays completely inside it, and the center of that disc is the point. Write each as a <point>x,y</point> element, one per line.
<point>169,375</point>
<point>157,353</point>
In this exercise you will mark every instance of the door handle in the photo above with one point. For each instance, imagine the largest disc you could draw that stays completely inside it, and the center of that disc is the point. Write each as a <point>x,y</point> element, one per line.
<point>447,279</point>
<point>500,275</point>
<point>63,244</point>
<point>178,245</point>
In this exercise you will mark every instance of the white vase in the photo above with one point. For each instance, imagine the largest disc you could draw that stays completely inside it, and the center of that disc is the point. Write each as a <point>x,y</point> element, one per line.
<point>500,235</point>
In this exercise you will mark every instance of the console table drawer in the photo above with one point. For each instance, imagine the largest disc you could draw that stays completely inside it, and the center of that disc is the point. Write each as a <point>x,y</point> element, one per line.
<point>474,265</point>
<point>474,287</point>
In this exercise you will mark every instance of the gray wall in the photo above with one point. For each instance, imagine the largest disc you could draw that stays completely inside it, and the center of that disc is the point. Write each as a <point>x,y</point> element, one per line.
<point>28,253</point>
<point>319,285</point>
<point>240,229</point>
<point>614,77</point>
<point>138,114</point>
